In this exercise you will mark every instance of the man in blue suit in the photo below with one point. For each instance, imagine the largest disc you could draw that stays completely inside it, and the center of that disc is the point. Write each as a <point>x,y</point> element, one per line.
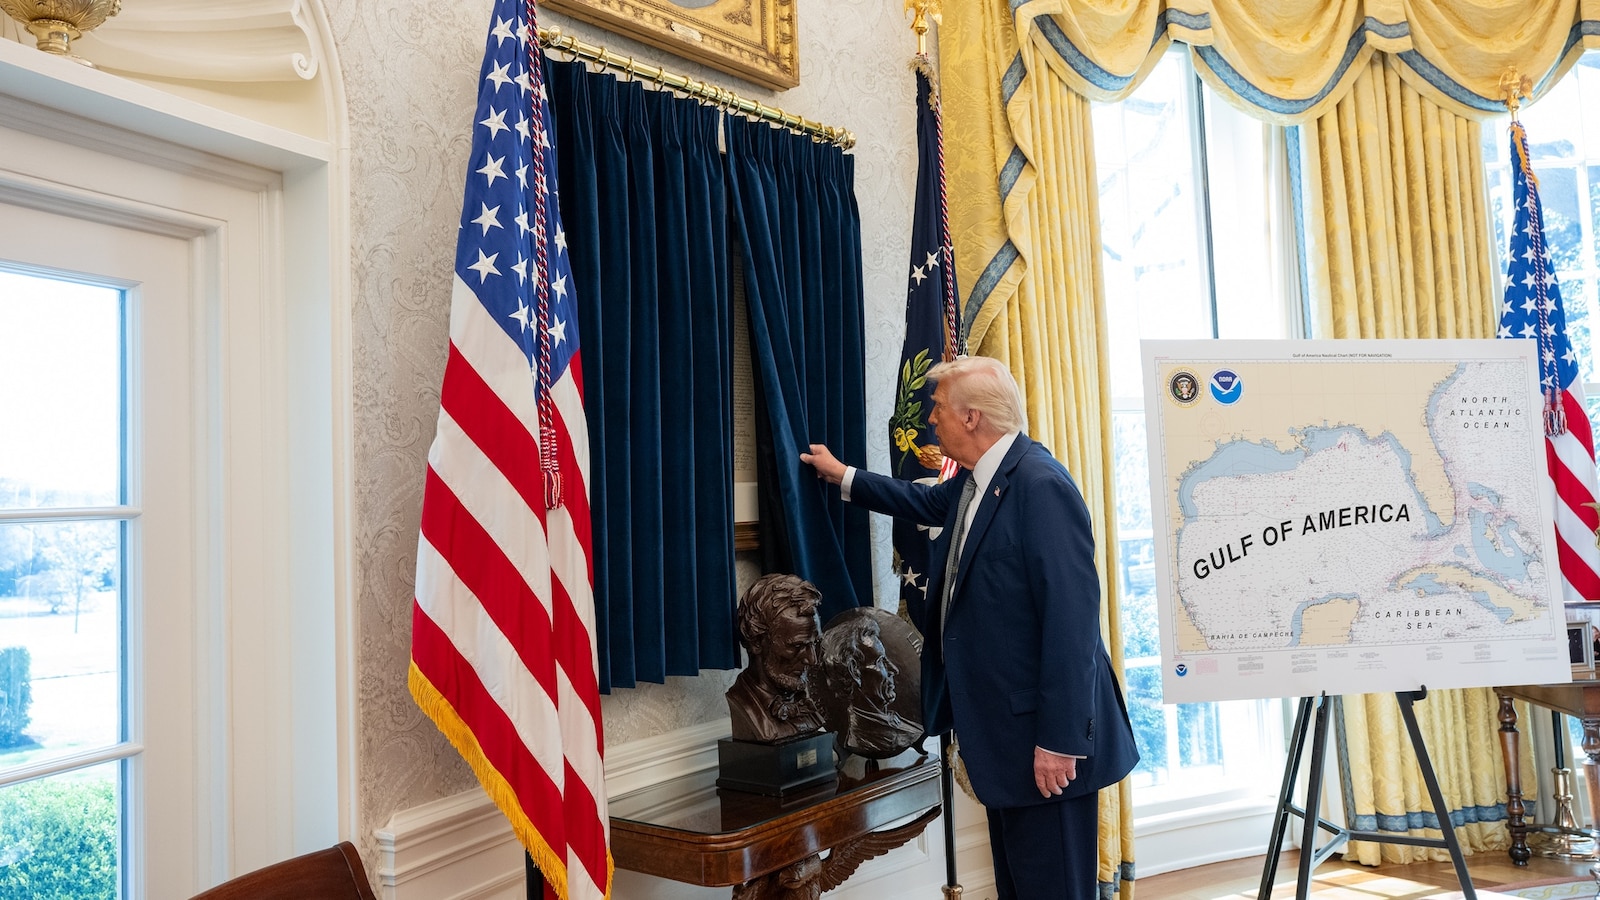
<point>1012,656</point>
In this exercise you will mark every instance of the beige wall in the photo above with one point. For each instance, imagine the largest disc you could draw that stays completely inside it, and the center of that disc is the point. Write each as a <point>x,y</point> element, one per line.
<point>408,69</point>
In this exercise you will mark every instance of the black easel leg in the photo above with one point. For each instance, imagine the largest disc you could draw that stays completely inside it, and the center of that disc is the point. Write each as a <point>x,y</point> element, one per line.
<point>1308,839</point>
<point>1441,812</point>
<point>1280,822</point>
<point>535,878</point>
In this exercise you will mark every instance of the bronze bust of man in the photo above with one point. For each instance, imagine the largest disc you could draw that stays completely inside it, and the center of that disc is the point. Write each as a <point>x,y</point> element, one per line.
<point>861,676</point>
<point>771,699</point>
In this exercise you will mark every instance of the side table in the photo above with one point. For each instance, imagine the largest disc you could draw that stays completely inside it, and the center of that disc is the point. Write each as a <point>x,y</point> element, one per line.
<point>688,830</point>
<point>1579,699</point>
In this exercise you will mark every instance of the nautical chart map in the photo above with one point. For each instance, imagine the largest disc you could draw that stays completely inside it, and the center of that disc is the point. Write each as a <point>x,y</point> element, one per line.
<point>1349,517</point>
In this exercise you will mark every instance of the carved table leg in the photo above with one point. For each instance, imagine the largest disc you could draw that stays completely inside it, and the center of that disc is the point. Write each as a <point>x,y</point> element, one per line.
<point>1510,754</point>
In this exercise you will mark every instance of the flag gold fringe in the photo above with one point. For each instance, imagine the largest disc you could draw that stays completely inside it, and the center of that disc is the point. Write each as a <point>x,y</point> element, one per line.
<point>437,708</point>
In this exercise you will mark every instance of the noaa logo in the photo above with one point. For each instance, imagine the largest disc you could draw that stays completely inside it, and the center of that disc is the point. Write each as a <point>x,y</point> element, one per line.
<point>1226,387</point>
<point>1184,387</point>
<point>1181,669</point>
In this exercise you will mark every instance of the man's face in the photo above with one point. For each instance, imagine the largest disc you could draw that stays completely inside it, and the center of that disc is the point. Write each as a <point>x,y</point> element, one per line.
<point>791,649</point>
<point>877,675</point>
<point>950,424</point>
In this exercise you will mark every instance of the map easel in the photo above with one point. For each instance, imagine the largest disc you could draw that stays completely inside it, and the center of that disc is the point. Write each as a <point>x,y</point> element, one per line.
<point>1310,855</point>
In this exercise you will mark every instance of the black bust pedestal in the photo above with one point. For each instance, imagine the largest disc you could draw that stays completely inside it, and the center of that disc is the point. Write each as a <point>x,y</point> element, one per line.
<point>775,769</point>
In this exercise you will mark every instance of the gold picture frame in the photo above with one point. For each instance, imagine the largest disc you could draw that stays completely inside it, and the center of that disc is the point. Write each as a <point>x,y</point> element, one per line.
<point>753,39</point>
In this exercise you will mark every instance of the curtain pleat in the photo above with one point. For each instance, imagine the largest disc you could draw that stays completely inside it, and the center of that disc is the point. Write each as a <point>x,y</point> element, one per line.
<point>1397,222</point>
<point>794,216</point>
<point>642,199</point>
<point>1398,247</point>
<point>1045,318</point>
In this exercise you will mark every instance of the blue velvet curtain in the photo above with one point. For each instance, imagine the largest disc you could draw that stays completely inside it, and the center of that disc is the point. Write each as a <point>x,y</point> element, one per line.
<point>799,235</point>
<point>644,203</point>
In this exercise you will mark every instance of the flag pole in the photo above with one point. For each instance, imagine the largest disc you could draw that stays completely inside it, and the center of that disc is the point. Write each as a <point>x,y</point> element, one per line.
<point>922,11</point>
<point>535,878</point>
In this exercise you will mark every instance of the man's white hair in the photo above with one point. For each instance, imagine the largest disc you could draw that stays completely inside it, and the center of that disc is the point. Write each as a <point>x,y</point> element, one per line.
<point>985,384</point>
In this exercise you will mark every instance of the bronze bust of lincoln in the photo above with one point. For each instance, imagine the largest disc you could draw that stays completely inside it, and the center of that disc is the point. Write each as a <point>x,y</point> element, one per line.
<point>771,700</point>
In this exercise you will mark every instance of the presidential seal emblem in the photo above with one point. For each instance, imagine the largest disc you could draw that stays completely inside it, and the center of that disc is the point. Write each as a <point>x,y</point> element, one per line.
<point>1226,387</point>
<point>1184,387</point>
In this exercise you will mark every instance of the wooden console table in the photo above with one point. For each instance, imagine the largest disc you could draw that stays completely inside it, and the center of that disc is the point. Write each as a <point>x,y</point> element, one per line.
<point>688,830</point>
<point>1581,700</point>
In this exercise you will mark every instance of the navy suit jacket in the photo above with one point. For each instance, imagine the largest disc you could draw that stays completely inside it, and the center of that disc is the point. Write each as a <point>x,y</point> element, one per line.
<point>1022,662</point>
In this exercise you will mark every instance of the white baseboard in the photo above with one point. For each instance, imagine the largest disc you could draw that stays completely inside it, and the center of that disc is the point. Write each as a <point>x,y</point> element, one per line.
<point>460,847</point>
<point>457,848</point>
<point>1165,843</point>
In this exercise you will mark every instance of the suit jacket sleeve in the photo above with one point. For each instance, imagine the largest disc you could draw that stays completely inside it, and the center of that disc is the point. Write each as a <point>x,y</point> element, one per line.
<point>1059,552</point>
<point>925,504</point>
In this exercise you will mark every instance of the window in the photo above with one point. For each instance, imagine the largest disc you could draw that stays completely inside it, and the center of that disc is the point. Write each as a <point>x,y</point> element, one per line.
<point>1173,160</point>
<point>96,588</point>
<point>63,738</point>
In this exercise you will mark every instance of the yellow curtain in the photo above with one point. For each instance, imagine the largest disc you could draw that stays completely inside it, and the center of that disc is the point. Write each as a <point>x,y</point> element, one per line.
<point>1398,246</point>
<point>1397,221</point>
<point>1044,319</point>
<point>1383,787</point>
<point>1290,60</point>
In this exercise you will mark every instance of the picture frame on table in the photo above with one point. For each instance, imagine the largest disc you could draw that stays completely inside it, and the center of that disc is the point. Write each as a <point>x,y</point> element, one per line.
<point>753,39</point>
<point>1580,649</point>
<point>1583,638</point>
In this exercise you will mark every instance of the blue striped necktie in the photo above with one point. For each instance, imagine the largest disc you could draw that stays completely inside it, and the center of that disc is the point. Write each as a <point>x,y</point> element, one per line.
<point>952,561</point>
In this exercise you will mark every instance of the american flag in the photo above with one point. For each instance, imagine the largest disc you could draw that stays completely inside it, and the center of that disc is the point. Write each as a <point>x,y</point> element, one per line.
<point>1532,309</point>
<point>502,646</point>
<point>932,333</point>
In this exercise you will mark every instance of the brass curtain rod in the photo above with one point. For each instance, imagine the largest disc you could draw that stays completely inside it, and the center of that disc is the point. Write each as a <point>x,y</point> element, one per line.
<point>552,39</point>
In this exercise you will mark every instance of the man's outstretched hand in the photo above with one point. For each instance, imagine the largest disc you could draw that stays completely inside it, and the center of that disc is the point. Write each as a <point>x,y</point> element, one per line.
<point>828,468</point>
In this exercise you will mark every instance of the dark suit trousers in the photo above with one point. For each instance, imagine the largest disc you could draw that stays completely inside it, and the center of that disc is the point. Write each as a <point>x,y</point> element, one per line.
<point>1047,852</point>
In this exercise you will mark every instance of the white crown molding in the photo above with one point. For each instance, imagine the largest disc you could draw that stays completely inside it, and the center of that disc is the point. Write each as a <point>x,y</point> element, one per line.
<point>228,41</point>
<point>74,95</point>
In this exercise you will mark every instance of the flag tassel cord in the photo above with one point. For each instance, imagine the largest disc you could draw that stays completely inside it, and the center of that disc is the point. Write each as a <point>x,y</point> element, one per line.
<point>703,91</point>
<point>1514,86</point>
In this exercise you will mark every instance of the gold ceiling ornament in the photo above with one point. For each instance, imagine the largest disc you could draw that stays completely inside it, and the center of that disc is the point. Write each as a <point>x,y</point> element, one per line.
<point>1514,86</point>
<point>922,11</point>
<point>56,23</point>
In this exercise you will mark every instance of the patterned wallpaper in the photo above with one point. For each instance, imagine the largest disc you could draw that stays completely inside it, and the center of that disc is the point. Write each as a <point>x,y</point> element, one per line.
<point>409,68</point>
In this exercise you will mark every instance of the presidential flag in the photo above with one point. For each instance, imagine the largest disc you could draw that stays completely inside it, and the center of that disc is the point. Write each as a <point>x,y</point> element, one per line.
<point>932,334</point>
<point>1532,309</point>
<point>502,646</point>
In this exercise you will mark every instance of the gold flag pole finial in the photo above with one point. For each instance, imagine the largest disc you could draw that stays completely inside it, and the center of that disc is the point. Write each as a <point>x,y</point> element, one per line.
<point>921,12</point>
<point>1514,86</point>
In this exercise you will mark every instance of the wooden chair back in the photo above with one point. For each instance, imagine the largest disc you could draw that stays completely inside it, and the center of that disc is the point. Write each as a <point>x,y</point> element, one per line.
<point>332,874</point>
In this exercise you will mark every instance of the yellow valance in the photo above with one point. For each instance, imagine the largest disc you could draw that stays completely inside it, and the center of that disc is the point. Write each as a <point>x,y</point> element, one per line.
<point>1289,61</point>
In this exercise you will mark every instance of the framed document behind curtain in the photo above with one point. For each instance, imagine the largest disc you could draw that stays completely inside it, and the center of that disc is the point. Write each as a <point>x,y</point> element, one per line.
<point>753,39</point>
